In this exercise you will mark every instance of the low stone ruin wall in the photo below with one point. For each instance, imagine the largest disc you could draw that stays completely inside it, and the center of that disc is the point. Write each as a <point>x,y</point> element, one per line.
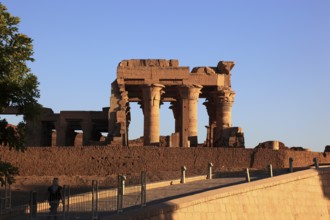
<point>105,161</point>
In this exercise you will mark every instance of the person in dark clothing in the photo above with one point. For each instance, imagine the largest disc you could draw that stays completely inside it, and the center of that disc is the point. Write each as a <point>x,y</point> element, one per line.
<point>54,197</point>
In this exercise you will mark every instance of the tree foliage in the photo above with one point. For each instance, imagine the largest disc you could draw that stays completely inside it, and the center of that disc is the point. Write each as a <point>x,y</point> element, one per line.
<point>18,86</point>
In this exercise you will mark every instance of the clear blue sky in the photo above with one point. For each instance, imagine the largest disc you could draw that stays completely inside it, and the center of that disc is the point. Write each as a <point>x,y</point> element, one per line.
<point>281,49</point>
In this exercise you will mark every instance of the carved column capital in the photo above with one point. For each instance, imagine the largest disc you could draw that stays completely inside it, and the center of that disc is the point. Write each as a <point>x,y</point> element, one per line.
<point>225,96</point>
<point>175,108</point>
<point>152,92</point>
<point>224,99</point>
<point>209,103</point>
<point>190,91</point>
<point>210,108</point>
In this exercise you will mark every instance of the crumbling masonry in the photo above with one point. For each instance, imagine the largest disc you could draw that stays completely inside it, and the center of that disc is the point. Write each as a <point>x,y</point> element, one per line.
<point>150,82</point>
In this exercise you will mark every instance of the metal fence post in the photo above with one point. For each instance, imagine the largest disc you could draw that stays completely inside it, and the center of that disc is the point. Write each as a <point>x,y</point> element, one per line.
<point>33,205</point>
<point>63,202</point>
<point>95,199</point>
<point>1,206</point>
<point>290,165</point>
<point>66,201</point>
<point>270,169</point>
<point>183,174</point>
<point>248,175</point>
<point>316,163</point>
<point>209,173</point>
<point>7,195</point>
<point>120,194</point>
<point>143,188</point>
<point>123,183</point>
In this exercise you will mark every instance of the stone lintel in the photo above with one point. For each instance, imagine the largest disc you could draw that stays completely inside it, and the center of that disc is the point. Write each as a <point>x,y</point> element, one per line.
<point>148,63</point>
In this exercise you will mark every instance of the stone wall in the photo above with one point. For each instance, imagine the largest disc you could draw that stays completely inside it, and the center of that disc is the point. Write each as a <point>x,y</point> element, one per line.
<point>103,161</point>
<point>300,195</point>
<point>280,158</point>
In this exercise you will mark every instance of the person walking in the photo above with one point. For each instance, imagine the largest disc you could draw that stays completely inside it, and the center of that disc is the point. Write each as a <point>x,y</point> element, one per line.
<point>54,197</point>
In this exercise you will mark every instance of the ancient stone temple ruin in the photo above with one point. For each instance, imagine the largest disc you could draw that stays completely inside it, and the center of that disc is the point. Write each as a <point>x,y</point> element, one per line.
<point>151,82</point>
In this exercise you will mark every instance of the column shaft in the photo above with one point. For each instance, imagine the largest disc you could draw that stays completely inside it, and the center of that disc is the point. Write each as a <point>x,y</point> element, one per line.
<point>175,106</point>
<point>224,104</point>
<point>151,103</point>
<point>211,111</point>
<point>224,101</point>
<point>61,133</point>
<point>189,108</point>
<point>87,129</point>
<point>193,117</point>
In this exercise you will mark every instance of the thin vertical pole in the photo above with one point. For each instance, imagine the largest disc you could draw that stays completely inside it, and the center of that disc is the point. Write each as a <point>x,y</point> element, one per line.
<point>143,188</point>
<point>123,183</point>
<point>0,207</point>
<point>66,201</point>
<point>7,196</point>
<point>183,174</point>
<point>290,165</point>
<point>209,174</point>
<point>95,198</point>
<point>316,163</point>
<point>93,202</point>
<point>248,175</point>
<point>120,194</point>
<point>33,205</point>
<point>270,168</point>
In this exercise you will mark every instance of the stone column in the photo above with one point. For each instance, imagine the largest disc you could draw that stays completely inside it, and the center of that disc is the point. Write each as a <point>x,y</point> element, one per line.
<point>151,103</point>
<point>61,127</point>
<point>87,129</point>
<point>34,133</point>
<point>224,100</point>
<point>189,110</point>
<point>175,106</point>
<point>211,111</point>
<point>128,121</point>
